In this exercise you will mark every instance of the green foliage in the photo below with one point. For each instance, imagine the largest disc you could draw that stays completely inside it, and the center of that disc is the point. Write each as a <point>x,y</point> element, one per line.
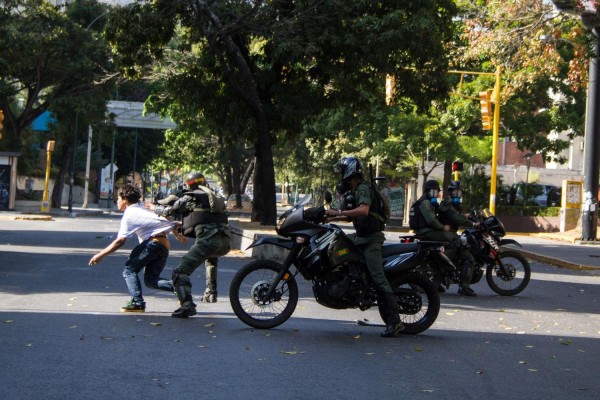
<point>529,211</point>
<point>271,73</point>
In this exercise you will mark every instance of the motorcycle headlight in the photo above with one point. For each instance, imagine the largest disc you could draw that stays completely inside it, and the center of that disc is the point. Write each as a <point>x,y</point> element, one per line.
<point>280,222</point>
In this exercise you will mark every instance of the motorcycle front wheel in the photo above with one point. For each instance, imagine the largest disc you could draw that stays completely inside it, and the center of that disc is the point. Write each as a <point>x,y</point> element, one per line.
<point>510,278</point>
<point>248,295</point>
<point>418,303</point>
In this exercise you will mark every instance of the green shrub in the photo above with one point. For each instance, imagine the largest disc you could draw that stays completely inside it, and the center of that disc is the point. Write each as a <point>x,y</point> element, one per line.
<point>529,211</point>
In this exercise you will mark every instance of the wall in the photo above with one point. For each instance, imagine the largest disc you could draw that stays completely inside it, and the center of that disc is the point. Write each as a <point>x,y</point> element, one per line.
<point>30,184</point>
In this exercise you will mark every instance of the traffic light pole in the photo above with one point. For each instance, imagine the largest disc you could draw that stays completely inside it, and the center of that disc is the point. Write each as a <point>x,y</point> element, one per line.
<point>495,126</point>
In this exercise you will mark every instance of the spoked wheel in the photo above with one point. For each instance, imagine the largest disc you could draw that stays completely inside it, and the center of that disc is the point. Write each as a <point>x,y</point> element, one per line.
<point>511,277</point>
<point>248,295</point>
<point>418,303</point>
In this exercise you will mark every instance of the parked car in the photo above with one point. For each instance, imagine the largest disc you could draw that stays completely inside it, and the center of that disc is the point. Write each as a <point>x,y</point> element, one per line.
<point>246,203</point>
<point>537,195</point>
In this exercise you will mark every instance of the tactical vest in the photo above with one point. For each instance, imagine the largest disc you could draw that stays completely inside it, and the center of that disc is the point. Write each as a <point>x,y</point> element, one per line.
<point>444,216</point>
<point>200,214</point>
<point>374,222</point>
<point>416,220</point>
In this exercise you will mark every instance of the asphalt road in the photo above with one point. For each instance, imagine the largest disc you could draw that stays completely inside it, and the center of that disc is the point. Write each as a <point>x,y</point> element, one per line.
<point>62,335</point>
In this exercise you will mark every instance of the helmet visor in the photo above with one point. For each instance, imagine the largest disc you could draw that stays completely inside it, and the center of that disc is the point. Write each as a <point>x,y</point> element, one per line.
<point>456,193</point>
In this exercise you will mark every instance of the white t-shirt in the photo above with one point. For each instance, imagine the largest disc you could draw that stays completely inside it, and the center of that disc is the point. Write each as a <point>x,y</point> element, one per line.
<point>143,222</point>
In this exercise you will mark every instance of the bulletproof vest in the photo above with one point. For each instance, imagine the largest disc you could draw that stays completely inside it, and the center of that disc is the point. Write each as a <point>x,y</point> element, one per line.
<point>416,220</point>
<point>200,213</point>
<point>373,222</point>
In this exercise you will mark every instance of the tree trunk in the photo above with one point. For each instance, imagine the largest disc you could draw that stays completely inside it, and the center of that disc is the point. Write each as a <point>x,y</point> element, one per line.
<point>447,177</point>
<point>243,82</point>
<point>247,175</point>
<point>59,183</point>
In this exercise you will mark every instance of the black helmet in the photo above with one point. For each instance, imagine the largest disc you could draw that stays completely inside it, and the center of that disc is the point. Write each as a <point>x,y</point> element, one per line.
<point>194,179</point>
<point>432,189</point>
<point>454,185</point>
<point>455,189</point>
<point>432,184</point>
<point>348,167</point>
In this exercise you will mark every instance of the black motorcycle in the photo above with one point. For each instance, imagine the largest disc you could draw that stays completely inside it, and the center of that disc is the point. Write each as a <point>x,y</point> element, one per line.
<point>507,272</point>
<point>264,293</point>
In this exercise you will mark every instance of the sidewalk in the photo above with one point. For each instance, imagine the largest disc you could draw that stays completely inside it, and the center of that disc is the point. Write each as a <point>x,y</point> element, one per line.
<point>560,249</point>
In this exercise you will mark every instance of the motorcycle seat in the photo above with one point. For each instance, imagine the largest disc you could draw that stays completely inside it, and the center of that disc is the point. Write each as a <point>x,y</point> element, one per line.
<point>400,248</point>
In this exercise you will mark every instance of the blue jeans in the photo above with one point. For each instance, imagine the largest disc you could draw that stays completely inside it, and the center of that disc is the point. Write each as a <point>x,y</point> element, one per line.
<point>152,256</point>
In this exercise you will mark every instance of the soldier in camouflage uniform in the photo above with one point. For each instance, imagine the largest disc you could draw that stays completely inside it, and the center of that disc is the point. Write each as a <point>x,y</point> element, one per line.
<point>366,215</point>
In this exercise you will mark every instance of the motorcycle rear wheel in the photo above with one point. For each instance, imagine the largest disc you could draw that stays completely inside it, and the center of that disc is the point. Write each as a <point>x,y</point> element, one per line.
<point>515,276</point>
<point>247,295</point>
<point>418,303</point>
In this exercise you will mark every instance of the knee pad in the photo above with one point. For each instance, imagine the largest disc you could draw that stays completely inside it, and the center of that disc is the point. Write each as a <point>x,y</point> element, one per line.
<point>179,278</point>
<point>182,285</point>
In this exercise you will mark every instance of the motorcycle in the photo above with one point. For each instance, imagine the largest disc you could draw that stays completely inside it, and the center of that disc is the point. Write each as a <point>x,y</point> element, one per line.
<point>264,293</point>
<point>507,272</point>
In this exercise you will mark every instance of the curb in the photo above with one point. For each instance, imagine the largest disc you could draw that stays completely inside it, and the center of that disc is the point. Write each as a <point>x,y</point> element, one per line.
<point>556,261</point>
<point>26,217</point>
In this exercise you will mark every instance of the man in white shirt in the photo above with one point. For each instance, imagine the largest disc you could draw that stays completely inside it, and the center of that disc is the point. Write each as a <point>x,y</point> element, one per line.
<point>151,253</point>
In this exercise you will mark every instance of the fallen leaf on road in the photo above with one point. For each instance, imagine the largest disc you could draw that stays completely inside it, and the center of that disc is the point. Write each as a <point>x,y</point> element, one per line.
<point>209,325</point>
<point>418,349</point>
<point>369,354</point>
<point>202,346</point>
<point>28,345</point>
<point>155,323</point>
<point>107,338</point>
<point>427,390</point>
<point>500,310</point>
<point>73,327</point>
<point>73,299</point>
<point>522,362</point>
<point>532,370</point>
<point>566,342</point>
<point>8,321</point>
<point>356,337</point>
<point>529,346</point>
<point>449,313</point>
<point>291,353</point>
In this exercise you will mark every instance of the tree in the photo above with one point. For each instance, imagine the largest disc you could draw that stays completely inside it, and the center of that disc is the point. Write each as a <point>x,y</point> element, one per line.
<point>287,61</point>
<point>52,61</point>
<point>543,55</point>
<point>45,57</point>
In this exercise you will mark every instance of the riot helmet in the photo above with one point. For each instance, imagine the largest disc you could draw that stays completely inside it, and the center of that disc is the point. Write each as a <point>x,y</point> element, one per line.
<point>347,167</point>
<point>456,191</point>
<point>432,189</point>
<point>194,179</point>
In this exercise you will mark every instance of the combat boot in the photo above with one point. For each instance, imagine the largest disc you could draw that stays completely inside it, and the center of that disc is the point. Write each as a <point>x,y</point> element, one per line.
<point>209,296</point>
<point>466,274</point>
<point>393,325</point>
<point>186,310</point>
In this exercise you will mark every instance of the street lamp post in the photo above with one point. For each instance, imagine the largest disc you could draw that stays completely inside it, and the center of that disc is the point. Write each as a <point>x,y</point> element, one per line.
<point>589,217</point>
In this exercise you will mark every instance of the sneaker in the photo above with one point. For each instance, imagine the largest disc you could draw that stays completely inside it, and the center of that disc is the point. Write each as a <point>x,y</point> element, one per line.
<point>209,297</point>
<point>131,306</point>
<point>186,310</point>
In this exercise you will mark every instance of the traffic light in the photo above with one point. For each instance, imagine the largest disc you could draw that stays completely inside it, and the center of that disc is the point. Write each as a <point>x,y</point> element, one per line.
<point>1,119</point>
<point>485,99</point>
<point>457,166</point>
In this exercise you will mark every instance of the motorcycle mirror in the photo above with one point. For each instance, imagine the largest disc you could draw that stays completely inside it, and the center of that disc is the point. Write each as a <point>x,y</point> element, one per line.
<point>328,197</point>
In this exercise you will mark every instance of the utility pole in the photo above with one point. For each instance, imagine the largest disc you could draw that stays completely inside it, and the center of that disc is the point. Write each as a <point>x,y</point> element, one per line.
<point>586,9</point>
